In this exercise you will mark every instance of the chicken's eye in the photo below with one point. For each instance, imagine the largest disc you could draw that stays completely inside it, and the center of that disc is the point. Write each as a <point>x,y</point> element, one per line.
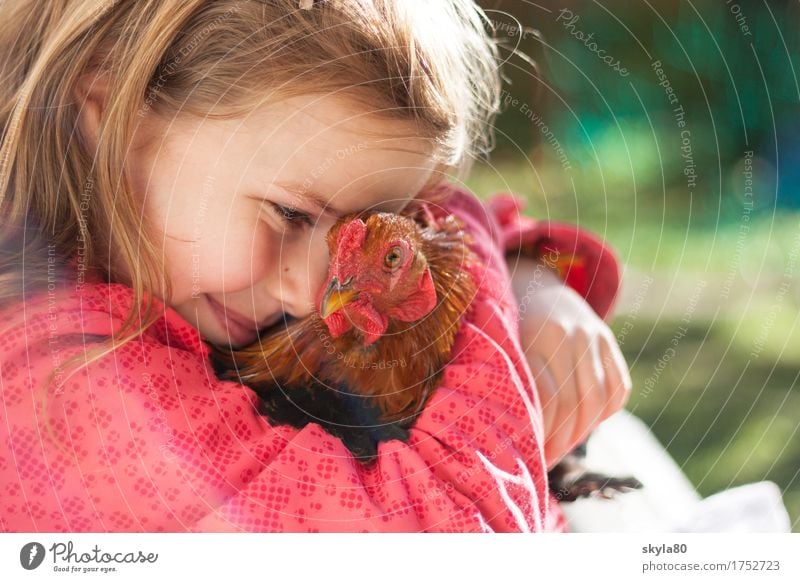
<point>393,258</point>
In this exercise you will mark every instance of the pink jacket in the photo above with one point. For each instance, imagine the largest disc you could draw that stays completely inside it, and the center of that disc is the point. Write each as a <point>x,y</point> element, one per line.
<point>152,441</point>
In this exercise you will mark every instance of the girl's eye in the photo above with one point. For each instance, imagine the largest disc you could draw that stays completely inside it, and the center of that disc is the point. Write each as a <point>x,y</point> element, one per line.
<point>291,217</point>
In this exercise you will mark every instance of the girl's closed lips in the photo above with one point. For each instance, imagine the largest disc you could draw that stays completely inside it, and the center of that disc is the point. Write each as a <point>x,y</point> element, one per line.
<point>240,329</point>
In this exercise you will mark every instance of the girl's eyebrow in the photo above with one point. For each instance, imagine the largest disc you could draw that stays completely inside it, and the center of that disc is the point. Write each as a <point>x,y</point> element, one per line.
<point>316,199</point>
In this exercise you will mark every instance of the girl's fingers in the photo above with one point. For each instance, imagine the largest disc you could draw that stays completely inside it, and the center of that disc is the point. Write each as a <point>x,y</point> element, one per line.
<point>591,381</point>
<point>547,390</point>
<point>618,378</point>
<point>567,404</point>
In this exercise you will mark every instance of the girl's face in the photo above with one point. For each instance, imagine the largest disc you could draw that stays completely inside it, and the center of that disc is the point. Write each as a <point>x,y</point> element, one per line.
<point>242,207</point>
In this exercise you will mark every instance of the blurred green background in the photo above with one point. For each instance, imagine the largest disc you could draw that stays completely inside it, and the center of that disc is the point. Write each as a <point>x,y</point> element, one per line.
<point>671,129</point>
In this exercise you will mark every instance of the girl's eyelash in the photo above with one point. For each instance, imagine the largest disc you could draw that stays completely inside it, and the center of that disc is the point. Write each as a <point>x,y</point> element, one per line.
<point>291,217</point>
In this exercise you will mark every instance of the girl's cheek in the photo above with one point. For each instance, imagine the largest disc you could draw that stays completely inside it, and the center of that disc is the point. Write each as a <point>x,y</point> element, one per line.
<point>234,259</point>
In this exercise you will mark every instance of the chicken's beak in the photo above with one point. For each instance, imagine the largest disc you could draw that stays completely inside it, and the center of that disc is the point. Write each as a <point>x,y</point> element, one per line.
<point>336,296</point>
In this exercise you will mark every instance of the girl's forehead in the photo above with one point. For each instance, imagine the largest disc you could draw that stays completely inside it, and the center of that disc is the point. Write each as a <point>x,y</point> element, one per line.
<point>328,146</point>
<point>330,120</point>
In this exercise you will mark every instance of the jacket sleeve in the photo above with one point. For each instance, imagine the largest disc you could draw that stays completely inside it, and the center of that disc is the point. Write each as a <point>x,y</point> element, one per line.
<point>583,261</point>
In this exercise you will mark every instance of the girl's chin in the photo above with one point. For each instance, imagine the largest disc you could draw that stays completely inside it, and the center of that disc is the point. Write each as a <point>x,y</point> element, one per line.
<point>228,338</point>
<point>232,335</point>
<point>238,337</point>
<point>237,344</point>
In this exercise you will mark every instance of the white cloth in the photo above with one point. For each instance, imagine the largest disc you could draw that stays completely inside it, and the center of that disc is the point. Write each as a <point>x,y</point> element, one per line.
<point>623,446</point>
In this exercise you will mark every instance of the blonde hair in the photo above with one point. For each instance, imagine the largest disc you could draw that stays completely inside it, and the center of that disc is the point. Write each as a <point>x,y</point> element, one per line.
<point>429,62</point>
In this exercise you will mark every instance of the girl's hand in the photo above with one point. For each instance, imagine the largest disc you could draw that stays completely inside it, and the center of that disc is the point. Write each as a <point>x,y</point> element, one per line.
<point>581,375</point>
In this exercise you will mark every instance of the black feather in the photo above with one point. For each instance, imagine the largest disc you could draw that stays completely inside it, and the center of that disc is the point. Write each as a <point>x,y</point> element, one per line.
<point>353,418</point>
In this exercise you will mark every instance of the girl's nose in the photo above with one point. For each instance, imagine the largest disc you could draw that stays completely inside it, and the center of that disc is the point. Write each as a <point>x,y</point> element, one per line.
<point>300,272</point>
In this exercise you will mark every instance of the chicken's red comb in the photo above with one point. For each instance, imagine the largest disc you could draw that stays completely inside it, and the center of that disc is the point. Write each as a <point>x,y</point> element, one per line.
<point>352,234</point>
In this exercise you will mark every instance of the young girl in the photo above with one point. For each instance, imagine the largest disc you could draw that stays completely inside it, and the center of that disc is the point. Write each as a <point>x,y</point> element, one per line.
<point>169,172</point>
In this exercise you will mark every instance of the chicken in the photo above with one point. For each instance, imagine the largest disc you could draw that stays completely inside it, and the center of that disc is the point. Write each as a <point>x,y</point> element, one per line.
<point>366,362</point>
<point>364,365</point>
